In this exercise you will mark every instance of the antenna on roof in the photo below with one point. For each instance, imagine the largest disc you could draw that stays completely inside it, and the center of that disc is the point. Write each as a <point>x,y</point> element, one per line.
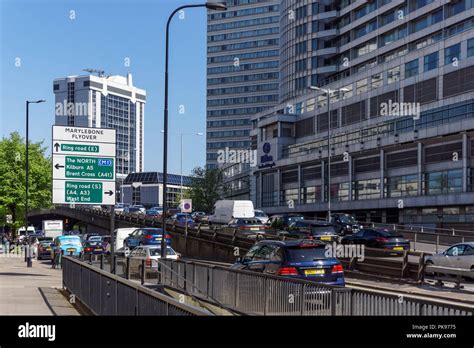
<point>100,73</point>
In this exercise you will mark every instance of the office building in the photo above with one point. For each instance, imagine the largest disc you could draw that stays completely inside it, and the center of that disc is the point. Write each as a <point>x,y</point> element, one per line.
<point>242,72</point>
<point>401,124</point>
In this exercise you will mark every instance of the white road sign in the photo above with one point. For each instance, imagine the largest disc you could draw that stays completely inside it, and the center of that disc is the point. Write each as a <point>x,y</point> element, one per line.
<point>186,205</point>
<point>83,165</point>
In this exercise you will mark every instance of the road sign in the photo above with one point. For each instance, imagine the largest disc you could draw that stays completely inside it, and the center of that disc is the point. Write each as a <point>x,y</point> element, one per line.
<point>186,205</point>
<point>83,192</point>
<point>83,165</point>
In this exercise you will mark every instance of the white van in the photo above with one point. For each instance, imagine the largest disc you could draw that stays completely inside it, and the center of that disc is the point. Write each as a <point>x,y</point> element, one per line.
<point>120,235</point>
<point>226,210</point>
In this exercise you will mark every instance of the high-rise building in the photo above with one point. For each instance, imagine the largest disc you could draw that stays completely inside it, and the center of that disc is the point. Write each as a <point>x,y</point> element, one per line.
<point>242,71</point>
<point>106,102</point>
<point>400,126</point>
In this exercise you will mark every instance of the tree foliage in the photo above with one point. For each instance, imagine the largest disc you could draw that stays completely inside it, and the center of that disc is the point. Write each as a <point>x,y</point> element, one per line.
<point>206,187</point>
<point>13,176</point>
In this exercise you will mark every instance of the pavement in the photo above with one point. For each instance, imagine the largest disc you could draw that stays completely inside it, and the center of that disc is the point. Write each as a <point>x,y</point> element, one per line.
<point>31,291</point>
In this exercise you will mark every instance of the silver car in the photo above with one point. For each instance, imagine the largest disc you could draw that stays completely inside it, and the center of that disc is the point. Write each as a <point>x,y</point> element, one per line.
<point>459,255</point>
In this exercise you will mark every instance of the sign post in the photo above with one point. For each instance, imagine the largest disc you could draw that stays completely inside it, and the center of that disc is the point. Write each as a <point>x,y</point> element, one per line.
<point>83,165</point>
<point>84,168</point>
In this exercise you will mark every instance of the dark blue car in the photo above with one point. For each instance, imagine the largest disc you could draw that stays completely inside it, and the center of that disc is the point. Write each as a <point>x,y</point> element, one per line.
<point>304,259</point>
<point>145,236</point>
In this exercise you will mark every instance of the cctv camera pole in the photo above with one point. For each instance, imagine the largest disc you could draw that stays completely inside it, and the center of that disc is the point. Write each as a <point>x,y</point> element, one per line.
<point>211,6</point>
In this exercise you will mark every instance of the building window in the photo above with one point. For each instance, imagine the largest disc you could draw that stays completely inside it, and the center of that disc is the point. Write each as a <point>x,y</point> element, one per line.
<point>393,75</point>
<point>452,54</point>
<point>361,86</point>
<point>301,65</point>
<point>340,192</point>
<point>430,61</point>
<point>310,194</point>
<point>301,30</point>
<point>377,80</point>
<point>406,185</point>
<point>411,68</point>
<point>366,189</point>
<point>448,181</point>
<point>301,47</point>
<point>289,195</point>
<point>470,47</point>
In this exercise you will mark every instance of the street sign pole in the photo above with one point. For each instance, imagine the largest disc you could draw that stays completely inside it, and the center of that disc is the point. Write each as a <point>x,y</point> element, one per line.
<point>112,239</point>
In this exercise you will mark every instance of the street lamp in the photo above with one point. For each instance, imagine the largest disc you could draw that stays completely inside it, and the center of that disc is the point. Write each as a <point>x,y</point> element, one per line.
<point>28,102</point>
<point>211,6</point>
<point>328,93</point>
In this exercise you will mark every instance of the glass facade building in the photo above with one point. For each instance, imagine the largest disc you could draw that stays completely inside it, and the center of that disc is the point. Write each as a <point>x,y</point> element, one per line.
<point>242,71</point>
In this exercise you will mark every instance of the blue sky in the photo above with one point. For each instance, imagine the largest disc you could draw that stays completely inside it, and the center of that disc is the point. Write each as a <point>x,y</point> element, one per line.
<point>103,34</point>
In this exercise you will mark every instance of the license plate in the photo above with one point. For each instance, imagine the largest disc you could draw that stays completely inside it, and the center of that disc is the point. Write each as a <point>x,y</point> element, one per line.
<point>326,238</point>
<point>70,249</point>
<point>397,248</point>
<point>98,249</point>
<point>157,238</point>
<point>313,271</point>
<point>48,249</point>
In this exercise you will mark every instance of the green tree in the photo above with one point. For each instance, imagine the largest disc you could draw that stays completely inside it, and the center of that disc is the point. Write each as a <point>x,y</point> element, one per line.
<point>12,178</point>
<point>206,186</point>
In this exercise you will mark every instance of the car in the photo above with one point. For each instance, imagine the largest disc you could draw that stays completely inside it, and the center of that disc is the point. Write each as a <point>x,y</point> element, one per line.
<point>145,236</point>
<point>378,238</point>
<point>282,222</point>
<point>199,217</point>
<point>261,216</point>
<point>313,229</point>
<point>120,234</point>
<point>303,259</point>
<point>345,224</point>
<point>247,227</point>
<point>88,236</point>
<point>44,250</point>
<point>95,238</point>
<point>93,247</point>
<point>138,210</point>
<point>459,255</point>
<point>225,210</point>
<point>66,245</point>
<point>182,218</point>
<point>120,207</point>
<point>151,254</point>
<point>153,213</point>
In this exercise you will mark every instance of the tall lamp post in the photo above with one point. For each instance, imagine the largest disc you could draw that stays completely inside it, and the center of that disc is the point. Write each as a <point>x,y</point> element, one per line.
<point>328,93</point>
<point>28,102</point>
<point>211,6</point>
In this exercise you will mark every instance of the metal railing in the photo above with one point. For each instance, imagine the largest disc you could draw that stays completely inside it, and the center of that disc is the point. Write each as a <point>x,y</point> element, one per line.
<point>262,294</point>
<point>104,293</point>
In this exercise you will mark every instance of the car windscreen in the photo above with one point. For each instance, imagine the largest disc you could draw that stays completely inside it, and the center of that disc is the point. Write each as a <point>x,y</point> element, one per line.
<point>292,219</point>
<point>390,234</point>
<point>45,244</point>
<point>73,241</point>
<point>302,254</point>
<point>317,230</point>
<point>347,219</point>
<point>260,214</point>
<point>153,232</point>
<point>157,251</point>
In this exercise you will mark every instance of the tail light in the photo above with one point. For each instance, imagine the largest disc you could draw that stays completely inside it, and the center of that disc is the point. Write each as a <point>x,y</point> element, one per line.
<point>287,271</point>
<point>337,269</point>
<point>148,236</point>
<point>148,262</point>
<point>88,249</point>
<point>381,239</point>
<point>167,236</point>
